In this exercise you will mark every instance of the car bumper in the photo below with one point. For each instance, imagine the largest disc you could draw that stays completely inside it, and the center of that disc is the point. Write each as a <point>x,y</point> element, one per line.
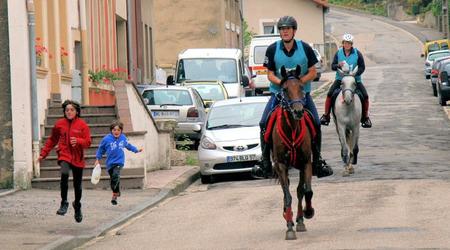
<point>187,128</point>
<point>218,161</point>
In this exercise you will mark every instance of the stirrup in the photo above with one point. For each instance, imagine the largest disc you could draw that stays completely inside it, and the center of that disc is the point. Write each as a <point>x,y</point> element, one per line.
<point>325,120</point>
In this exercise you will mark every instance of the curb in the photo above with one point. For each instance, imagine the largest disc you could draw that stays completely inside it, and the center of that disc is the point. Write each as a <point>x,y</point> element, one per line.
<point>171,189</point>
<point>5,193</point>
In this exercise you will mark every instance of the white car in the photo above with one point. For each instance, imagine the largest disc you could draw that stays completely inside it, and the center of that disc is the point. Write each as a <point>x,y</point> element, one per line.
<point>230,137</point>
<point>431,57</point>
<point>318,65</point>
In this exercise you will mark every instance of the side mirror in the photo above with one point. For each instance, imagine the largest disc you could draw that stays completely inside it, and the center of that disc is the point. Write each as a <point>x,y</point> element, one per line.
<point>146,101</point>
<point>422,55</point>
<point>245,81</point>
<point>197,128</point>
<point>170,80</point>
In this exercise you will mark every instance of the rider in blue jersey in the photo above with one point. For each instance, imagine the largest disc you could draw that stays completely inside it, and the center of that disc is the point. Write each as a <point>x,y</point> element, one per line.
<point>350,55</point>
<point>290,52</point>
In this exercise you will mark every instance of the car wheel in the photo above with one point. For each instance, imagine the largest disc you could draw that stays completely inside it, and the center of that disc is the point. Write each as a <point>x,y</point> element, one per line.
<point>441,99</point>
<point>206,179</point>
<point>434,89</point>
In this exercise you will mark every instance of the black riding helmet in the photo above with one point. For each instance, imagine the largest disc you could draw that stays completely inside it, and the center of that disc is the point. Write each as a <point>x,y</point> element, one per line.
<point>75,104</point>
<point>287,21</point>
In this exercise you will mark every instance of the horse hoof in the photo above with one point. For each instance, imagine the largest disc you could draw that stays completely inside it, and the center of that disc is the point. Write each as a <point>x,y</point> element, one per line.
<point>346,173</point>
<point>300,227</point>
<point>290,235</point>
<point>351,170</point>
<point>308,213</point>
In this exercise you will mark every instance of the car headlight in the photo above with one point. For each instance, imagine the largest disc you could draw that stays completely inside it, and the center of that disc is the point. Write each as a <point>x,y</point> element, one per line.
<point>207,143</point>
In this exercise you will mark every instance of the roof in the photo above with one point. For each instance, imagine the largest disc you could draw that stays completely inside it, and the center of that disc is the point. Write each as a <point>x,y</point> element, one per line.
<point>323,3</point>
<point>253,99</point>
<point>210,53</point>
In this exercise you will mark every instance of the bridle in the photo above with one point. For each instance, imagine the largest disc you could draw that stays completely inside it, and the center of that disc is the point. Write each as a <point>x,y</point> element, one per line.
<point>283,97</point>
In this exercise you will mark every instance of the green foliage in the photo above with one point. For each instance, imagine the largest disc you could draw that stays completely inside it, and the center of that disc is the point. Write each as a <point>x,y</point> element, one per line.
<point>106,76</point>
<point>247,34</point>
<point>375,7</point>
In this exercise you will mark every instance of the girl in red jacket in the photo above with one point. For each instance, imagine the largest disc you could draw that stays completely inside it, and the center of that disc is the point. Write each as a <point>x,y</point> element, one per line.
<point>72,135</point>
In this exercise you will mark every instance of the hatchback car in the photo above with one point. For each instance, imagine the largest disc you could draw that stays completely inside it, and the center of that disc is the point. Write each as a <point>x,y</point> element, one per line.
<point>183,104</point>
<point>443,85</point>
<point>230,137</point>
<point>431,57</point>
<point>435,72</point>
<point>210,91</point>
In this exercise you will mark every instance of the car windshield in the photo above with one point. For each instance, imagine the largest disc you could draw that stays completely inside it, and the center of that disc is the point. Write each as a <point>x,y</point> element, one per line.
<point>210,91</point>
<point>432,57</point>
<point>211,69</point>
<point>237,115</point>
<point>259,53</point>
<point>176,97</point>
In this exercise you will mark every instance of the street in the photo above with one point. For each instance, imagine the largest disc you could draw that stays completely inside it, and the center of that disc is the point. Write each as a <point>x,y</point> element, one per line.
<point>394,200</point>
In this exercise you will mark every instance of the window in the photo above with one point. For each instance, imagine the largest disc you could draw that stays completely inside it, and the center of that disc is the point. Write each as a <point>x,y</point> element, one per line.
<point>269,28</point>
<point>259,53</point>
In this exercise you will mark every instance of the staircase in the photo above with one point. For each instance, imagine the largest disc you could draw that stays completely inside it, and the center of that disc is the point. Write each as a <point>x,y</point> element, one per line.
<point>98,119</point>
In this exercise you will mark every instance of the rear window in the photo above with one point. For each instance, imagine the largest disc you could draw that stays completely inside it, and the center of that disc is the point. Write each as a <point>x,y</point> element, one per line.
<point>259,53</point>
<point>433,47</point>
<point>210,91</point>
<point>447,68</point>
<point>168,97</point>
<point>444,45</point>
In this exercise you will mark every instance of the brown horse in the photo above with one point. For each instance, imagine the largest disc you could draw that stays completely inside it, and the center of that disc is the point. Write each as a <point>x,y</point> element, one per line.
<point>291,147</point>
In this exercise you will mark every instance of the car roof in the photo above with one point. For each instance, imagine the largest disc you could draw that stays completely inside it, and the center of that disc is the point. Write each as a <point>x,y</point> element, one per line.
<point>210,53</point>
<point>438,52</point>
<point>153,87</point>
<point>253,99</point>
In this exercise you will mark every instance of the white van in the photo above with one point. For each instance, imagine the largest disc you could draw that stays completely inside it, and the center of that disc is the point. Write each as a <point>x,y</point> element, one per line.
<point>256,55</point>
<point>223,65</point>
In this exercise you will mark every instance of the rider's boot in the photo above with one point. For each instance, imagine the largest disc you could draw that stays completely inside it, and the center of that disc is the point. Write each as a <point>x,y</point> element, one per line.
<point>265,169</point>
<point>365,120</point>
<point>325,119</point>
<point>320,167</point>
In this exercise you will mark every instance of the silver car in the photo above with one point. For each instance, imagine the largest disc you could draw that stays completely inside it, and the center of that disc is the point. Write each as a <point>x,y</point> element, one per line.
<point>183,104</point>
<point>431,57</point>
<point>230,137</point>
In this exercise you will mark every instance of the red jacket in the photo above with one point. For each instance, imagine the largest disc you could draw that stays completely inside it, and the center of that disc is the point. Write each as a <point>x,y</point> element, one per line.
<point>61,133</point>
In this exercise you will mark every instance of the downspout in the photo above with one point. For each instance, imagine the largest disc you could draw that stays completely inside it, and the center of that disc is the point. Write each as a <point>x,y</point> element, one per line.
<point>34,102</point>
<point>130,40</point>
<point>84,51</point>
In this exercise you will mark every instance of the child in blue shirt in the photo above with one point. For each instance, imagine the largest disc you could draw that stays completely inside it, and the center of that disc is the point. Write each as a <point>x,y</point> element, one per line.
<point>113,145</point>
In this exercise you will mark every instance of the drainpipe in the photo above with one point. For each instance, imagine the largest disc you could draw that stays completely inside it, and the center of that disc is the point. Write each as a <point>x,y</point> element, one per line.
<point>84,51</point>
<point>129,40</point>
<point>34,102</point>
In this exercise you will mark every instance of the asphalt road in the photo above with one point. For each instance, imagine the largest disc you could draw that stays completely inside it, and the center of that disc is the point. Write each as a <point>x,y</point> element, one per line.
<point>397,198</point>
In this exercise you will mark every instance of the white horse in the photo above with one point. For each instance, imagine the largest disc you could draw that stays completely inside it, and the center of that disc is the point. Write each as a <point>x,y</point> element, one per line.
<point>347,116</point>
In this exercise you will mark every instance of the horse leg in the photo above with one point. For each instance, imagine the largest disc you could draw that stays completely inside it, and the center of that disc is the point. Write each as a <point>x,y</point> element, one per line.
<point>287,209</point>
<point>309,210</point>
<point>355,154</point>
<point>300,193</point>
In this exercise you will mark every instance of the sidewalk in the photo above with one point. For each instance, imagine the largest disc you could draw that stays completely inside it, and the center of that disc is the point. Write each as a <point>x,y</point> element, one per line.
<point>28,219</point>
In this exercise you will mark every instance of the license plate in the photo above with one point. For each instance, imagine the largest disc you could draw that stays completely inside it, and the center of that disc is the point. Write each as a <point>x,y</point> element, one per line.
<point>261,72</point>
<point>237,158</point>
<point>165,114</point>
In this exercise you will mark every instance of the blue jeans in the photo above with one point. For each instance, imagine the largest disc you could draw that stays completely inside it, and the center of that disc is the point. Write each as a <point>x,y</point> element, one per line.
<point>273,102</point>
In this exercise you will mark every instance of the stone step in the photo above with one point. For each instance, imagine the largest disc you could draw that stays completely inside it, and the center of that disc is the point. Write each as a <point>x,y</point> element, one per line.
<point>57,110</point>
<point>54,172</point>
<point>105,118</point>
<point>92,150</point>
<point>52,161</point>
<point>126,182</point>
<point>94,128</point>
<point>95,139</point>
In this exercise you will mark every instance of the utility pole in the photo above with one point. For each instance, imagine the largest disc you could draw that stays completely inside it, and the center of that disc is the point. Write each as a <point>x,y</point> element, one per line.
<point>445,18</point>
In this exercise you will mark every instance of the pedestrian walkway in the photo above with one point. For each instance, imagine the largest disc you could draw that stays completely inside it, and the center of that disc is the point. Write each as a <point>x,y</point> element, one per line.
<point>28,219</point>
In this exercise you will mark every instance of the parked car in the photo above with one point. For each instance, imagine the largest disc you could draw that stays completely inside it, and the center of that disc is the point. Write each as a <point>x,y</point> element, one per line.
<point>183,104</point>
<point>434,74</point>
<point>210,91</point>
<point>435,45</point>
<point>318,65</point>
<point>443,85</point>
<point>431,57</point>
<point>230,137</point>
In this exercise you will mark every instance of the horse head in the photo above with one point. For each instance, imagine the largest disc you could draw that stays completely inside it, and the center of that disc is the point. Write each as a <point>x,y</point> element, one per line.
<point>293,96</point>
<point>348,85</point>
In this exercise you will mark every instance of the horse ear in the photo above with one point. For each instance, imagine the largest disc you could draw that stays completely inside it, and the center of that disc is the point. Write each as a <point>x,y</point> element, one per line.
<point>354,71</point>
<point>298,70</point>
<point>341,72</point>
<point>283,72</point>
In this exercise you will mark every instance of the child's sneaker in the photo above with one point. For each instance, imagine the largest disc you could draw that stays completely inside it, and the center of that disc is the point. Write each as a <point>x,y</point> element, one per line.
<point>114,199</point>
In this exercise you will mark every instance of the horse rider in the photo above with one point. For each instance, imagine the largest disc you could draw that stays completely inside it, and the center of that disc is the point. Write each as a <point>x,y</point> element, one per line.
<point>353,57</point>
<point>290,52</point>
